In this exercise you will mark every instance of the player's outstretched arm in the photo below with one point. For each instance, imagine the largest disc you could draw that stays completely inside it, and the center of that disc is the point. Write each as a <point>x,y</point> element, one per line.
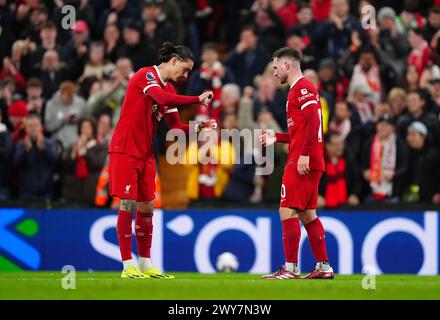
<point>165,98</point>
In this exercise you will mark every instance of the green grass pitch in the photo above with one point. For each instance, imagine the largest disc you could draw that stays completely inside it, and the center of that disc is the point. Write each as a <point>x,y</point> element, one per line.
<point>109,285</point>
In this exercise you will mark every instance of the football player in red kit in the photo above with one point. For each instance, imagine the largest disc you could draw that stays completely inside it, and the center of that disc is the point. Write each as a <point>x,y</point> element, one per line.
<point>150,97</point>
<point>303,170</point>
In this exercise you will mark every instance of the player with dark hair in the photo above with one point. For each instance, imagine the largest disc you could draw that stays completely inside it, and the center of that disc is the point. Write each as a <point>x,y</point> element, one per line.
<point>303,170</point>
<point>150,97</point>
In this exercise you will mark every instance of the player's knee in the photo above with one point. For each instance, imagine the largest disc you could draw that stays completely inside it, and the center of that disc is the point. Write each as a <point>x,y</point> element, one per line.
<point>308,216</point>
<point>287,213</point>
<point>146,207</point>
<point>128,205</point>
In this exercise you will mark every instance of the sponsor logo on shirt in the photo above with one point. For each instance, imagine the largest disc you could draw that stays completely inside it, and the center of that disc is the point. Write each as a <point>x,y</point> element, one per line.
<point>127,189</point>
<point>303,91</point>
<point>290,122</point>
<point>306,96</point>
<point>150,76</point>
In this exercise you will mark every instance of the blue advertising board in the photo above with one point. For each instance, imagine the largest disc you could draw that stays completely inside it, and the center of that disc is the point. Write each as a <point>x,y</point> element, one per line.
<point>191,240</point>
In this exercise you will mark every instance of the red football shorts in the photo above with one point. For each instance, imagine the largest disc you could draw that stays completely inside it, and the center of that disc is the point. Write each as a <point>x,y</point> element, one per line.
<point>132,178</point>
<point>299,191</point>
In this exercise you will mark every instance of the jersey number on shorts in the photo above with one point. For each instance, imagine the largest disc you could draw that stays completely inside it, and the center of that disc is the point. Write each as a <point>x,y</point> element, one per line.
<point>283,191</point>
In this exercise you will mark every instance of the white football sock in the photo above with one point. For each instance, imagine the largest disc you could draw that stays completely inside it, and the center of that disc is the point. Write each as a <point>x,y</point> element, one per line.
<point>292,267</point>
<point>145,263</point>
<point>128,263</point>
<point>324,266</point>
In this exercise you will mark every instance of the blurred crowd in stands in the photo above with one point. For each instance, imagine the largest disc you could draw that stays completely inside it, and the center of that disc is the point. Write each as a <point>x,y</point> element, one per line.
<point>378,78</point>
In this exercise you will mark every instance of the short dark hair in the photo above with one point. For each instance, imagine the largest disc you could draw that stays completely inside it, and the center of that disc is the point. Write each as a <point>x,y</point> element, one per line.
<point>169,50</point>
<point>420,92</point>
<point>49,25</point>
<point>329,135</point>
<point>91,120</point>
<point>250,27</point>
<point>210,46</point>
<point>418,31</point>
<point>434,9</point>
<point>288,52</point>
<point>34,82</point>
<point>34,115</point>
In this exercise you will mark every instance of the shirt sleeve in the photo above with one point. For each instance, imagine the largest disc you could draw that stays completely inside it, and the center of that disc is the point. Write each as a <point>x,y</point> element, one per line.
<point>282,137</point>
<point>172,119</point>
<point>164,98</point>
<point>311,127</point>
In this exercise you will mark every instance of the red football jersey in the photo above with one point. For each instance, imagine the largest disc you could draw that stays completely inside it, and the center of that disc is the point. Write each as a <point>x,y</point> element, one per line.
<point>140,114</point>
<point>301,95</point>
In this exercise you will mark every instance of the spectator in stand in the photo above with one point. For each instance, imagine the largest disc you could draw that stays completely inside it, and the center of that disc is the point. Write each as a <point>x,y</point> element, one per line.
<point>390,45</point>
<point>48,36</point>
<point>157,27</point>
<point>248,59</point>
<point>77,47</point>
<point>6,151</point>
<point>36,158</point>
<point>435,52</point>
<point>301,36</point>
<point>306,25</point>
<point>208,176</point>
<point>397,102</point>
<point>422,180</point>
<point>96,65</point>
<point>321,9</point>
<point>346,123</point>
<point>269,27</point>
<point>417,111</point>
<point>330,85</point>
<point>112,41</point>
<point>211,75</point>
<point>335,35</point>
<point>295,39</point>
<point>434,90</point>
<point>367,73</point>
<point>10,70</point>
<point>84,11</point>
<point>17,113</point>
<point>286,11</point>
<point>5,102</point>
<point>6,36</point>
<point>341,185</point>
<point>410,17</point>
<point>119,13</point>
<point>34,96</point>
<point>38,17</point>
<point>229,101</point>
<point>361,100</point>
<point>420,51</point>
<point>62,114</point>
<point>411,81</point>
<point>52,73</point>
<point>384,163</point>
<point>83,164</point>
<point>19,49</point>
<point>104,129</point>
<point>433,23</point>
<point>135,47</point>
<point>107,95</point>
